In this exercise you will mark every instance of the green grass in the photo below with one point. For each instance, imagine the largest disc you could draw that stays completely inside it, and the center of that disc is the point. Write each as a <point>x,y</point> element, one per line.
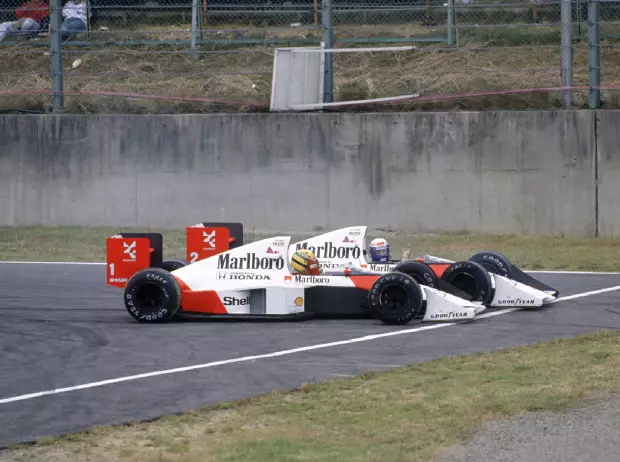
<point>406,413</point>
<point>530,252</point>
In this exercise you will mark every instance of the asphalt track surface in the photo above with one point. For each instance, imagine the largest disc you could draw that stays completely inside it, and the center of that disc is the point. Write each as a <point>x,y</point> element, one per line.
<point>63,330</point>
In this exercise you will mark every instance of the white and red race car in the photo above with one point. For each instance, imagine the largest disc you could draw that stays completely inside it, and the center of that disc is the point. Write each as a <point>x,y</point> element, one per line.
<point>225,278</point>
<point>254,280</point>
<point>487,277</point>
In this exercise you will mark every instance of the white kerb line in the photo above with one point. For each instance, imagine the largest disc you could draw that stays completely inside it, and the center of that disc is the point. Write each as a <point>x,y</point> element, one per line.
<point>366,338</point>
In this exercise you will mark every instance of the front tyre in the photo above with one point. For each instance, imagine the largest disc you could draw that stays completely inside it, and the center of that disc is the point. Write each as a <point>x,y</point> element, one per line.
<point>493,262</point>
<point>171,265</point>
<point>396,298</point>
<point>472,279</point>
<point>152,295</point>
<point>421,272</point>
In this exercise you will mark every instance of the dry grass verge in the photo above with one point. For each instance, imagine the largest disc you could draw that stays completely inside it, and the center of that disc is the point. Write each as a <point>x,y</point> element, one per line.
<point>403,414</point>
<point>486,60</point>
<point>530,252</point>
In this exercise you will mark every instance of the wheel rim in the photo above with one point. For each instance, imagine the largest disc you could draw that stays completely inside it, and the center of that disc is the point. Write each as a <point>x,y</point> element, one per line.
<point>394,297</point>
<point>464,282</point>
<point>149,297</point>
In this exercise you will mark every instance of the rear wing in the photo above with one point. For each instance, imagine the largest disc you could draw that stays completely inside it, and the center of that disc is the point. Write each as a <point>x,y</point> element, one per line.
<point>128,253</point>
<point>207,239</point>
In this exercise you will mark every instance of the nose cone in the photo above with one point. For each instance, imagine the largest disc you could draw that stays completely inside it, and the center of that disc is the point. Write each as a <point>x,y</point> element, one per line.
<point>479,307</point>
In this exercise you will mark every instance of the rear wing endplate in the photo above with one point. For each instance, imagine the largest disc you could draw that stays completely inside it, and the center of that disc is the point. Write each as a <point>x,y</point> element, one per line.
<point>204,240</point>
<point>128,253</point>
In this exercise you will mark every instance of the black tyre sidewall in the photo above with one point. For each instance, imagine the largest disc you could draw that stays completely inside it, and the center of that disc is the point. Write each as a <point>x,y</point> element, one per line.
<point>166,283</point>
<point>171,265</point>
<point>421,272</point>
<point>406,313</point>
<point>485,290</point>
<point>493,262</point>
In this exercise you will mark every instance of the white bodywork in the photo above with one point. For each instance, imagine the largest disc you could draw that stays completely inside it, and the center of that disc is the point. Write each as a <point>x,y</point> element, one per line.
<point>442,306</point>
<point>509,292</point>
<point>256,279</point>
<point>346,247</point>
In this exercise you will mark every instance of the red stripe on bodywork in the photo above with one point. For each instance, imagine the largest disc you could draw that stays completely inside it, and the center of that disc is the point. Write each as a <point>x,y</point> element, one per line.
<point>200,301</point>
<point>364,282</point>
<point>438,268</point>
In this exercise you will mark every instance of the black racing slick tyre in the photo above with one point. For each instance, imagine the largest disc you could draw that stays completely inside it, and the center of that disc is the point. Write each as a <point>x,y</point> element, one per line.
<point>421,272</point>
<point>396,298</point>
<point>152,295</point>
<point>494,262</point>
<point>171,265</point>
<point>471,278</point>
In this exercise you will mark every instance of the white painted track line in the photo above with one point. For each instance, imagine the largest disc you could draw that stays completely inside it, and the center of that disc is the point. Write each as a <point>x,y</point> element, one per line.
<point>585,294</point>
<point>221,363</point>
<point>275,354</point>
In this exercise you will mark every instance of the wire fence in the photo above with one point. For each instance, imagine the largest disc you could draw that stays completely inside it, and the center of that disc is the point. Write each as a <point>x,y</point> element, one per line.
<point>139,56</point>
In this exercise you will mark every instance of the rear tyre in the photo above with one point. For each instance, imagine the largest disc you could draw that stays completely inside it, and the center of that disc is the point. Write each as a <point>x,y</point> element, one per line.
<point>493,262</point>
<point>171,265</point>
<point>152,295</point>
<point>421,272</point>
<point>472,279</point>
<point>396,298</point>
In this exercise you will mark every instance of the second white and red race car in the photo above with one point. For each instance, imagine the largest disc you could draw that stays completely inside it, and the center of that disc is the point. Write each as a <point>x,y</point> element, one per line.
<point>226,279</point>
<point>487,277</point>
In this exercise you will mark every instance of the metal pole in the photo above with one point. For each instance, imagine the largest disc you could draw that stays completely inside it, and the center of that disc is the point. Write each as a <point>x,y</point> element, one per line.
<point>567,52</point>
<point>450,22</point>
<point>594,54</point>
<point>328,38</point>
<point>316,12</point>
<point>194,22</point>
<point>579,13</point>
<point>58,99</point>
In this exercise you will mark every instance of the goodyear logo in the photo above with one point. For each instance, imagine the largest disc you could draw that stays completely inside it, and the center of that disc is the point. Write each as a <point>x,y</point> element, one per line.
<point>450,315</point>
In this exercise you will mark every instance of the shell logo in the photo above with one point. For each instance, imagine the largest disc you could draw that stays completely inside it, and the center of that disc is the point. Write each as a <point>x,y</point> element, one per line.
<point>299,301</point>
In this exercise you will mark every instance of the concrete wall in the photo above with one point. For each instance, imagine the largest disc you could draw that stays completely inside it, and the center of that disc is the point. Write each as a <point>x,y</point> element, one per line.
<point>509,172</point>
<point>608,172</point>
